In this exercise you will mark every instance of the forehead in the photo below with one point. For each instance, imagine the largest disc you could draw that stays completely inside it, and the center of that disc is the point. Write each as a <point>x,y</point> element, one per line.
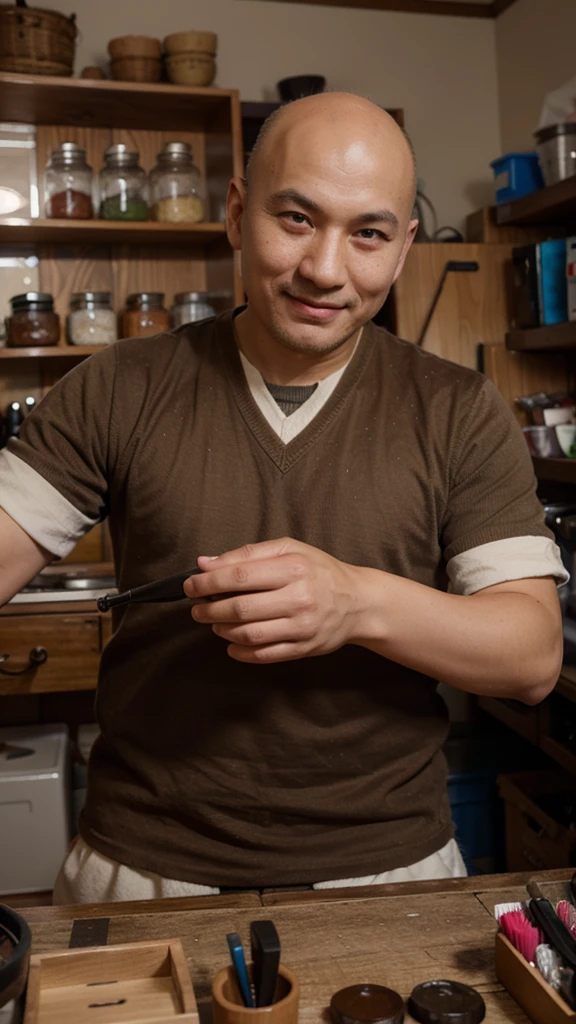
<point>330,165</point>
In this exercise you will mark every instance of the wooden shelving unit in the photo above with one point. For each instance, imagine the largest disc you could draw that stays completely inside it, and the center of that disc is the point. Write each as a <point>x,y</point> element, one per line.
<point>556,203</point>
<point>556,337</point>
<point>560,471</point>
<point>106,232</point>
<point>51,352</point>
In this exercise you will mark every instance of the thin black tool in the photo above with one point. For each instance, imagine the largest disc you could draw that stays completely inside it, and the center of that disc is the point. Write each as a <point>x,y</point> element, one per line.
<point>554,929</point>
<point>167,589</point>
<point>266,959</point>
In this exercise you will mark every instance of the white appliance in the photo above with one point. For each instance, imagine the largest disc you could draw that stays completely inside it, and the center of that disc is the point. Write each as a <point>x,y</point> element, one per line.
<point>34,806</point>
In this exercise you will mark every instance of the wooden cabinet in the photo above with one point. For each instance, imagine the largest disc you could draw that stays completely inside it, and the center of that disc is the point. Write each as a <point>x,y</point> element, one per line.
<point>72,640</point>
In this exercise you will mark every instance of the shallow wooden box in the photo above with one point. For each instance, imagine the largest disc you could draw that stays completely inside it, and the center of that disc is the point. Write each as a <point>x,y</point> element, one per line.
<point>138,982</point>
<point>527,986</point>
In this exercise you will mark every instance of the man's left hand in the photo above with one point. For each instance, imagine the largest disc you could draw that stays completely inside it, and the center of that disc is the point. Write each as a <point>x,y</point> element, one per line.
<point>290,600</point>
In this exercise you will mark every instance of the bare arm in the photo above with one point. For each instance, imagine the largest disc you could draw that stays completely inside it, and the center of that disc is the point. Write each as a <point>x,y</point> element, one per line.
<point>295,601</point>
<point>21,558</point>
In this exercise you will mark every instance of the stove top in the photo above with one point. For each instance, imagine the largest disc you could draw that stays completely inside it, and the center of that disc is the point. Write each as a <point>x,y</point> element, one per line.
<point>65,587</point>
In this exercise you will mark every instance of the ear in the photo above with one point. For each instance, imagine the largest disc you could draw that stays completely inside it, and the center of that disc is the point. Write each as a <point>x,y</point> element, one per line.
<point>410,236</point>
<point>235,203</point>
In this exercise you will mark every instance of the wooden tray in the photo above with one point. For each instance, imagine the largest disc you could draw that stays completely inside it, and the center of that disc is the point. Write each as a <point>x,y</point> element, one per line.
<point>138,982</point>
<point>527,986</point>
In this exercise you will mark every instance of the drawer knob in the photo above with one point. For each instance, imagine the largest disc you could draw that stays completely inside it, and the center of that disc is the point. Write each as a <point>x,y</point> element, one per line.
<point>37,656</point>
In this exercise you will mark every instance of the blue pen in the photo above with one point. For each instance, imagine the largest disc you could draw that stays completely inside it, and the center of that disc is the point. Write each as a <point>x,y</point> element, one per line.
<point>239,965</point>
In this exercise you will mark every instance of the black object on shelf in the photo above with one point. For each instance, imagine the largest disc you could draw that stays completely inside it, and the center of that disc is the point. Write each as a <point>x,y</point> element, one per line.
<point>452,266</point>
<point>298,86</point>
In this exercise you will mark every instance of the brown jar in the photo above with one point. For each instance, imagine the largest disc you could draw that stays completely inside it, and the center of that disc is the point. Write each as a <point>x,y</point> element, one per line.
<point>144,315</point>
<point>33,321</point>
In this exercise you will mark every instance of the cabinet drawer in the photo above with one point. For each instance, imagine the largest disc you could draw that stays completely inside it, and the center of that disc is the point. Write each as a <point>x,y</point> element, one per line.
<point>73,643</point>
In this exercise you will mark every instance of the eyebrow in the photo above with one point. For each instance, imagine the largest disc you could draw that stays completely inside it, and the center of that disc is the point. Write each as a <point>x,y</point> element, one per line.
<point>291,195</point>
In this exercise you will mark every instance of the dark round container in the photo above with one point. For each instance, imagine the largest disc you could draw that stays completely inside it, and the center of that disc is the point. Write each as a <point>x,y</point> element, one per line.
<point>33,321</point>
<point>446,1002</point>
<point>14,969</point>
<point>367,1004</point>
<point>299,86</point>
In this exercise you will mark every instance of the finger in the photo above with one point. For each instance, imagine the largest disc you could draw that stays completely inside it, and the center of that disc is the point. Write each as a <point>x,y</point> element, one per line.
<point>257,634</point>
<point>249,553</point>
<point>270,604</point>
<point>263,574</point>
<point>267,655</point>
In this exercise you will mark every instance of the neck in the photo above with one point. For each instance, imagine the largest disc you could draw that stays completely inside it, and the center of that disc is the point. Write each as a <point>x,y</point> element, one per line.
<point>280,365</point>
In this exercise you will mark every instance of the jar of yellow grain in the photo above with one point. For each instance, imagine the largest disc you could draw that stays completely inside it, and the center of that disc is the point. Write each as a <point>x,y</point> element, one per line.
<point>176,186</point>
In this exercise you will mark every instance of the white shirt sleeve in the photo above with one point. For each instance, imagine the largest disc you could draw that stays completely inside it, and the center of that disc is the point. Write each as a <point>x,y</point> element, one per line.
<point>45,514</point>
<point>515,558</point>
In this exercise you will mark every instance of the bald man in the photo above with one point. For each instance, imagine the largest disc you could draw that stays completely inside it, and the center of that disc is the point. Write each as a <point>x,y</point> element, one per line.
<point>364,517</point>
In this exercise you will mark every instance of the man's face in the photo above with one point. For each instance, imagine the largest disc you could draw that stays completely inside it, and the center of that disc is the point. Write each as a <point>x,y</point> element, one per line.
<point>324,235</point>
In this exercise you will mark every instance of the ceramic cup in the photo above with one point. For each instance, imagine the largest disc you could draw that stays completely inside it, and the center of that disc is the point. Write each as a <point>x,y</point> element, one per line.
<point>228,1008</point>
<point>566,434</point>
<point>543,442</point>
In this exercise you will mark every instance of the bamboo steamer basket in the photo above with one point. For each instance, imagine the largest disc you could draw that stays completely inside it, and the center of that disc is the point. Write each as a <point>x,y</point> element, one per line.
<point>191,69</point>
<point>21,66</point>
<point>136,69</point>
<point>191,42</point>
<point>135,46</point>
<point>43,38</point>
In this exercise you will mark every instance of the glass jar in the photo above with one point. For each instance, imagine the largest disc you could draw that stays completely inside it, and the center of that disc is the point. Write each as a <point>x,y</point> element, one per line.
<point>68,183</point>
<point>144,315</point>
<point>189,307</point>
<point>123,189</point>
<point>33,321</point>
<point>176,189</point>
<point>91,320</point>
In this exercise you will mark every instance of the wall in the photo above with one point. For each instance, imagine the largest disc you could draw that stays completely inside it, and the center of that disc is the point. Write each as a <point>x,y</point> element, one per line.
<point>535,47</point>
<point>441,70</point>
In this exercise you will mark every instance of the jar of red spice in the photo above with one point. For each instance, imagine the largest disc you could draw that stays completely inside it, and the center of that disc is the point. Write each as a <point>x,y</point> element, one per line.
<point>68,184</point>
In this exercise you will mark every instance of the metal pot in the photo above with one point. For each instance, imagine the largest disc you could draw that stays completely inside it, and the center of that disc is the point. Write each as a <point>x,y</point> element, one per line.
<point>556,146</point>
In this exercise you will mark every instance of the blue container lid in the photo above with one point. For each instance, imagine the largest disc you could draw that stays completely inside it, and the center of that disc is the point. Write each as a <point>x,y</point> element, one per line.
<point>514,156</point>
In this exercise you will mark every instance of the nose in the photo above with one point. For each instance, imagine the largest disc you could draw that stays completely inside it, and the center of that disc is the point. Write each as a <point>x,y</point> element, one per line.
<point>324,262</point>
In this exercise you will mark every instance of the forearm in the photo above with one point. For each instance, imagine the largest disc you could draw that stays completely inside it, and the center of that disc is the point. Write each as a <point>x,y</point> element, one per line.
<point>497,644</point>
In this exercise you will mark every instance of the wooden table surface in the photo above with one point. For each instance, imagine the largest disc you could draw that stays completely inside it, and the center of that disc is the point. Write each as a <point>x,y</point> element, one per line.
<point>389,935</point>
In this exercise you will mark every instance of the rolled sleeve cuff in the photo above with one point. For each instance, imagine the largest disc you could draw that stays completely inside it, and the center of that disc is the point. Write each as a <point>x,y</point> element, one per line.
<point>515,558</point>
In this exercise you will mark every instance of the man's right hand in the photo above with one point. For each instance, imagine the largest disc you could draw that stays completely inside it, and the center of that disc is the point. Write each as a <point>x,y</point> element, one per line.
<point>21,558</point>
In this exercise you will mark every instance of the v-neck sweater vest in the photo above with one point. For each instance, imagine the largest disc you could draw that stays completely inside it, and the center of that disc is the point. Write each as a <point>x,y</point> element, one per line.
<point>217,772</point>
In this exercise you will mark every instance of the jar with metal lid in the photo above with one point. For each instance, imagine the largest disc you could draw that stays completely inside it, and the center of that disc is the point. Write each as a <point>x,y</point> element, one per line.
<point>144,315</point>
<point>68,183</point>
<point>176,188</point>
<point>189,307</point>
<point>33,321</point>
<point>91,320</point>
<point>123,187</point>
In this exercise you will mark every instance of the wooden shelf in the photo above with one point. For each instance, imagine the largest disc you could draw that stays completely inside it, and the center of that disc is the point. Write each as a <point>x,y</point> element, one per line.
<point>51,352</point>
<point>543,339</point>
<point>561,471</point>
<point>106,232</point>
<point>40,99</point>
<point>547,205</point>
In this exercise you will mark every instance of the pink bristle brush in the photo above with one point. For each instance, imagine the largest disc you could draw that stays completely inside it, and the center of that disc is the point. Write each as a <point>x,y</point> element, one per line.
<point>518,929</point>
<point>567,913</point>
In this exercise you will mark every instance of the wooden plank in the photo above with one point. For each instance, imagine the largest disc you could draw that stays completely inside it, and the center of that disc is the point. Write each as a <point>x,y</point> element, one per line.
<point>552,204</point>
<point>482,226</point>
<point>562,471</point>
<point>452,8</point>
<point>399,942</point>
<point>105,232</point>
<point>541,339</point>
<point>55,352</point>
<point>134,908</point>
<point>34,99</point>
<point>472,309</point>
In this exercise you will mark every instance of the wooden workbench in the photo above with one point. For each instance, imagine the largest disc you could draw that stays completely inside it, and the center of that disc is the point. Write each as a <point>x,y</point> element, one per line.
<point>396,935</point>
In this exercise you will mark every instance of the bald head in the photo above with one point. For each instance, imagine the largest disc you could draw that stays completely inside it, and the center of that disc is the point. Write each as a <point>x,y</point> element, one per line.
<point>345,131</point>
